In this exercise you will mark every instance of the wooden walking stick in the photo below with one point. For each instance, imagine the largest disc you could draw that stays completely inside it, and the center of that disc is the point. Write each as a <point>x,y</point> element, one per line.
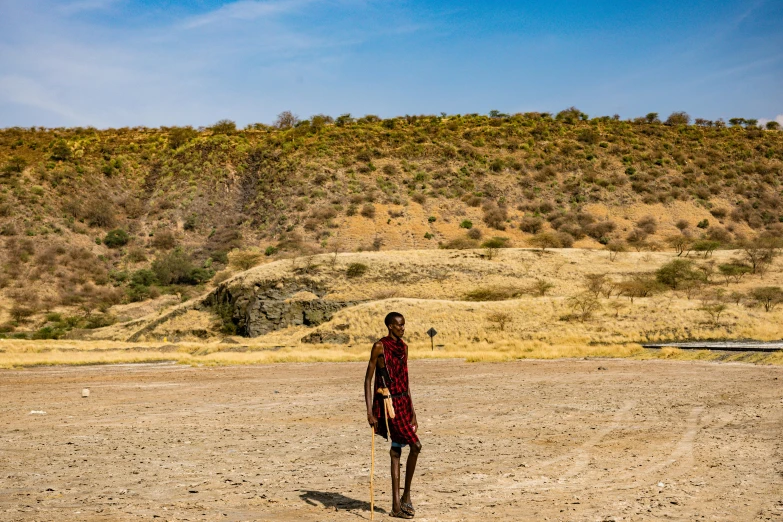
<point>372,476</point>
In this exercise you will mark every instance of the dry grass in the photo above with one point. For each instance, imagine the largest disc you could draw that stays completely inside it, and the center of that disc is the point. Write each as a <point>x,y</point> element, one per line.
<point>428,287</point>
<point>20,354</point>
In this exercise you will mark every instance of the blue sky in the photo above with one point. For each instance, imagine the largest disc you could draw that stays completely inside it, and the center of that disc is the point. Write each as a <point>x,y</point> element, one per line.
<point>115,63</point>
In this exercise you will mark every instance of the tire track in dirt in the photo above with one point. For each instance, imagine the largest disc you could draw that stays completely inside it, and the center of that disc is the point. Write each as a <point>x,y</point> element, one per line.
<point>682,455</point>
<point>579,456</point>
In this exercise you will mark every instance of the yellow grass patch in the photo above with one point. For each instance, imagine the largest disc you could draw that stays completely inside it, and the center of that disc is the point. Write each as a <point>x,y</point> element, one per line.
<point>20,354</point>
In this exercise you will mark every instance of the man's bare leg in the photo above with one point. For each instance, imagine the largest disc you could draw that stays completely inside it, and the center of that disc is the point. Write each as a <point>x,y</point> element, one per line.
<point>410,469</point>
<point>395,473</point>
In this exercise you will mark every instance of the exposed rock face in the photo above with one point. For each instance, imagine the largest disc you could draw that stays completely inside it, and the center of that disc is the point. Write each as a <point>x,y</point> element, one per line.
<point>272,305</point>
<point>326,337</point>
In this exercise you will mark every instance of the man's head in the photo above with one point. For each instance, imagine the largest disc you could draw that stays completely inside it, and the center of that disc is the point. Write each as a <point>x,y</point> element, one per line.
<point>395,322</point>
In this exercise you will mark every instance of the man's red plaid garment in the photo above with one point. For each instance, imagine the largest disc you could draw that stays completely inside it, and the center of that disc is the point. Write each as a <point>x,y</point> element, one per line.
<point>394,377</point>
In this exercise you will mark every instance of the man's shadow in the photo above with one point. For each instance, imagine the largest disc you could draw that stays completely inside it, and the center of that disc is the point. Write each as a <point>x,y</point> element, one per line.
<point>336,501</point>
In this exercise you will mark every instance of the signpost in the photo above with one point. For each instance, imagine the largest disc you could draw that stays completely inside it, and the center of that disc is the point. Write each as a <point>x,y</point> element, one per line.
<point>432,332</point>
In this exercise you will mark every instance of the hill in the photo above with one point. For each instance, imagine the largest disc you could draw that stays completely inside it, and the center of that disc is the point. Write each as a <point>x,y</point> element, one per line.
<point>96,220</point>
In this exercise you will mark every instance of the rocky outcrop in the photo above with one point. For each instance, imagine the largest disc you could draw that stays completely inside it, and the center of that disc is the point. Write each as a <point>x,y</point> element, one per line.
<point>326,338</point>
<point>271,305</point>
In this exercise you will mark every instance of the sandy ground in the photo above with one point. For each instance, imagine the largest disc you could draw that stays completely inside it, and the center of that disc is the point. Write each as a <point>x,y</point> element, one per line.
<point>528,440</point>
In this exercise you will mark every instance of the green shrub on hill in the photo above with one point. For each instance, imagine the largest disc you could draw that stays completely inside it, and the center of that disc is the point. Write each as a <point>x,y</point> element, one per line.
<point>116,238</point>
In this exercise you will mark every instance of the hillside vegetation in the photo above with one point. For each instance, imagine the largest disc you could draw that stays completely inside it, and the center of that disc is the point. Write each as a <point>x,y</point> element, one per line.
<point>522,303</point>
<point>92,221</point>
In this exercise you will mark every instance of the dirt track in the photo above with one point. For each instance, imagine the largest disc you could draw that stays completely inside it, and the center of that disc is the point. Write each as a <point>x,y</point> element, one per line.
<point>529,440</point>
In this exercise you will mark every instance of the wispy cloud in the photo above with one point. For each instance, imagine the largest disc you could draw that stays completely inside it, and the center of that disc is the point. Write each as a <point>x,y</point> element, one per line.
<point>64,62</point>
<point>79,6</point>
<point>245,10</point>
<point>27,91</point>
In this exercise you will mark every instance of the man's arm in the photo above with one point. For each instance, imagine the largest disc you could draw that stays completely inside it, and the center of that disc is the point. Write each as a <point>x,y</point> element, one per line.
<point>377,351</point>
<point>414,422</point>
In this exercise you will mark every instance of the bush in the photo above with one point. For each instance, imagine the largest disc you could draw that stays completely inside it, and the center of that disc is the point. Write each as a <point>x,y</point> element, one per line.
<point>191,223</point>
<point>704,223</point>
<point>100,213</point>
<point>15,165</point>
<point>584,304</point>
<point>674,273</point>
<point>356,270</point>
<point>48,332</point>
<point>179,136</point>
<point>221,241</point>
<point>493,293</point>
<point>600,231</point>
<point>116,238</point>
<point>495,216</point>
<point>468,224</point>
<point>200,275</point>
<point>459,244</point>
<point>143,277</point>
<point>531,225</point>
<point>432,219</point>
<point>540,287</point>
<point>474,233</point>
<point>137,255</point>
<point>648,223</point>
<point>61,151</point>
<point>734,271</point>
<point>172,268</point>
<point>769,296</point>
<point>164,239</point>
<point>639,285</point>
<point>286,120</point>
<point>244,259</point>
<point>546,240</point>
<point>615,248</point>
<point>706,246</point>
<point>19,312</point>
<point>678,118</point>
<point>499,318</point>
<point>491,246</point>
<point>589,136</point>
<point>270,251</point>
<point>224,127</point>
<point>368,211</point>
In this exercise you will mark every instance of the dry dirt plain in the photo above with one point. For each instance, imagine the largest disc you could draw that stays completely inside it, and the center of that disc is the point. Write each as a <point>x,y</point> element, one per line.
<point>529,440</point>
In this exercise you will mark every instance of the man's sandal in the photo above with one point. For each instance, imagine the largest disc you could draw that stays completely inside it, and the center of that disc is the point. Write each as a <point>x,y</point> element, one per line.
<point>400,514</point>
<point>408,508</point>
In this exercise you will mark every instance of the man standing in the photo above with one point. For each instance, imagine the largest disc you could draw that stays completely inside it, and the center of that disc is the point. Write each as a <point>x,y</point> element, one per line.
<point>389,365</point>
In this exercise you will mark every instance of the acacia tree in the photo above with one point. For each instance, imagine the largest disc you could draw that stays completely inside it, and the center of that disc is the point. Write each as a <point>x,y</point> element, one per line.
<point>15,165</point>
<point>681,243</point>
<point>492,246</point>
<point>615,248</point>
<point>224,127</point>
<point>768,296</point>
<point>595,283</point>
<point>585,304</point>
<point>760,252</point>
<point>678,118</point>
<point>286,120</point>
<point>499,318</point>
<point>545,240</point>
